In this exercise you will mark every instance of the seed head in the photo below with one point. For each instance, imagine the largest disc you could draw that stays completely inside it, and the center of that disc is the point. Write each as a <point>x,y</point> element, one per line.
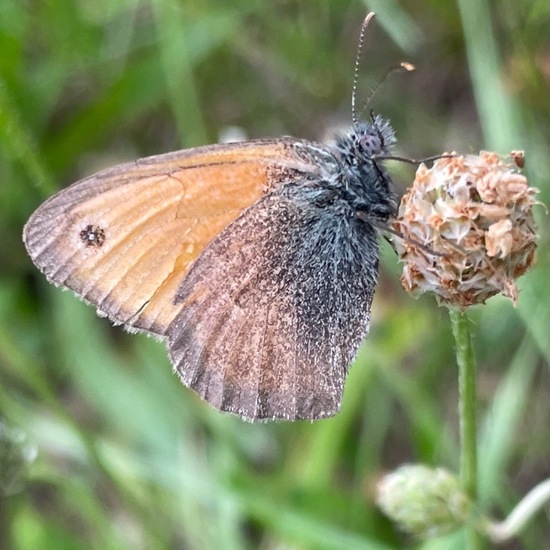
<point>468,229</point>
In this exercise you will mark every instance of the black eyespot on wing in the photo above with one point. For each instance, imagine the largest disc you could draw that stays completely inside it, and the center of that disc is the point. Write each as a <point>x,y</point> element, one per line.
<point>93,236</point>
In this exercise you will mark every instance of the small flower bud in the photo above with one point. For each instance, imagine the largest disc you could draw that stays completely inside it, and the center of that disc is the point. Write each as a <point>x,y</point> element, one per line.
<point>468,229</point>
<point>424,502</point>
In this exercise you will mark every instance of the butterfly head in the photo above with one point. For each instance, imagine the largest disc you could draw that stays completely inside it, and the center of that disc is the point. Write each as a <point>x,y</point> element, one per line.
<point>367,184</point>
<point>372,138</point>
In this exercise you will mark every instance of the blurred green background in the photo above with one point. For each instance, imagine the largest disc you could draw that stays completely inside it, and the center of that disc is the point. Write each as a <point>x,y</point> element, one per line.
<point>127,458</point>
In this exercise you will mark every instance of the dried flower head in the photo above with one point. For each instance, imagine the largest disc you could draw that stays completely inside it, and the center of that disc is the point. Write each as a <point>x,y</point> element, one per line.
<point>425,502</point>
<point>475,213</point>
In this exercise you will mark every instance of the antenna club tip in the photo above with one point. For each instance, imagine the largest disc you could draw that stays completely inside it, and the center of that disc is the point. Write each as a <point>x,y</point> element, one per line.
<point>407,66</point>
<point>368,17</point>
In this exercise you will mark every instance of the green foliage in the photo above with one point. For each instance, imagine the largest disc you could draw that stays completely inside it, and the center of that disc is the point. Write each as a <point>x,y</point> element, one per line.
<point>127,458</point>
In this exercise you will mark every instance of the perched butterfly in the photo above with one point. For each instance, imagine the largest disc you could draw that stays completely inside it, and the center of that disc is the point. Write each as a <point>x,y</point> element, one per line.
<point>255,261</point>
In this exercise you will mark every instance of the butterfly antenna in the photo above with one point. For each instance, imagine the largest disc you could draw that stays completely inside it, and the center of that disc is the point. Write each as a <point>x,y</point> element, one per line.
<point>364,26</point>
<point>403,66</point>
<point>414,161</point>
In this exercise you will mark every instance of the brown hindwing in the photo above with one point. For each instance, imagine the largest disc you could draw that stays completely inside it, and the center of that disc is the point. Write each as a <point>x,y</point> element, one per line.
<point>272,314</point>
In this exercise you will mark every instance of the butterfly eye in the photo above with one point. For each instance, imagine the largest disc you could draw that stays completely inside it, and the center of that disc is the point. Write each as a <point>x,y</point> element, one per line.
<point>370,144</point>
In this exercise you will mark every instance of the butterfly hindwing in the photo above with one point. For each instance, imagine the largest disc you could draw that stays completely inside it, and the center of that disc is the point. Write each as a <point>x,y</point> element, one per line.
<point>275,308</point>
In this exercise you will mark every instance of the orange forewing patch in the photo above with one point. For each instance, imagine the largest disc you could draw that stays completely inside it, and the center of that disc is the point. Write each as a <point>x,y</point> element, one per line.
<point>154,216</point>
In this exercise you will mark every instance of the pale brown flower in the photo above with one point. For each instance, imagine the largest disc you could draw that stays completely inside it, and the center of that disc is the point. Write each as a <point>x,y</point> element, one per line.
<point>468,229</point>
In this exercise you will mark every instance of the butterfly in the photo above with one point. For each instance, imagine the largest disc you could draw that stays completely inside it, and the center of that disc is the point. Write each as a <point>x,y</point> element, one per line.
<point>256,261</point>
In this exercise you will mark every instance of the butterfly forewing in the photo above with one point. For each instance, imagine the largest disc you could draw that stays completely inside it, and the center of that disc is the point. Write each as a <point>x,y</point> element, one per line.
<point>125,238</point>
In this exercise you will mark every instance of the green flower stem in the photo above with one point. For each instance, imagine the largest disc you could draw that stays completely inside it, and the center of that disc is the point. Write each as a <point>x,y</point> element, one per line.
<point>531,504</point>
<point>467,411</point>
